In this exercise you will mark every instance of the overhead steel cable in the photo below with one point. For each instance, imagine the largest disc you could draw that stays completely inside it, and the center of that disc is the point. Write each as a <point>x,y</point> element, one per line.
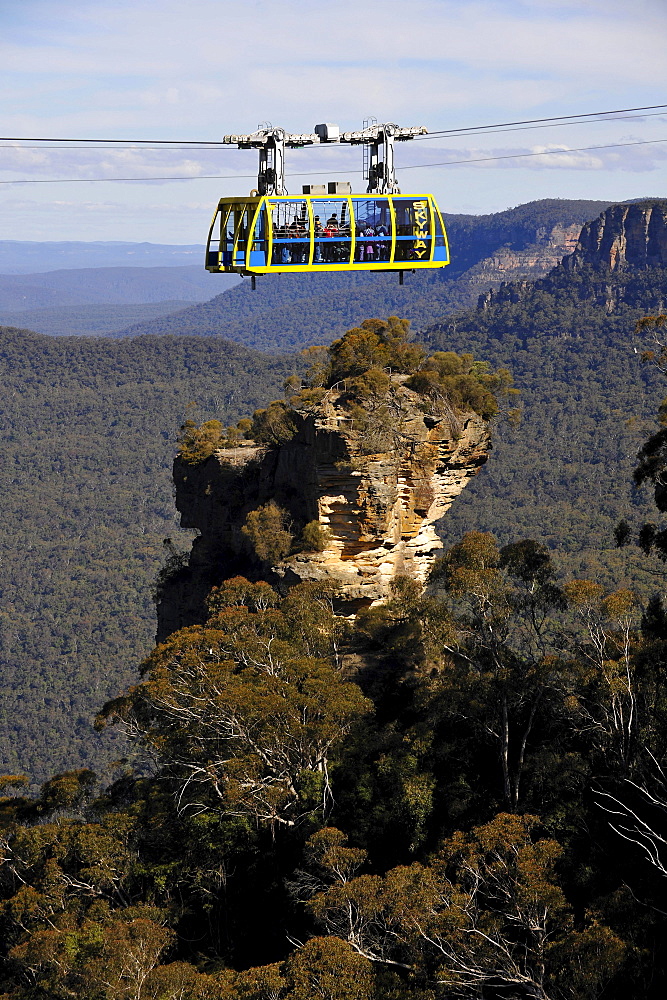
<point>491,130</point>
<point>413,166</point>
<point>153,142</point>
<point>545,152</point>
<point>473,129</point>
<point>504,131</point>
<point>558,118</point>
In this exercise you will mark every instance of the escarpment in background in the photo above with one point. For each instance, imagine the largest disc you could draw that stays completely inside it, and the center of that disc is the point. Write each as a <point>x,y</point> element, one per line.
<point>340,485</point>
<point>619,259</point>
<point>624,237</point>
<point>376,492</point>
<point>530,262</point>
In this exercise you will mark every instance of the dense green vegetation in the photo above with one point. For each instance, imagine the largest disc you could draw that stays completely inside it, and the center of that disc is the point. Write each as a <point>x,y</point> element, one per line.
<point>409,806</point>
<point>87,440</point>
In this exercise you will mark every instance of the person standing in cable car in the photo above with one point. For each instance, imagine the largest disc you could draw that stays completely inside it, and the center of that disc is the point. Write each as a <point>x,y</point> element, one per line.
<point>359,233</point>
<point>330,232</point>
<point>318,233</point>
<point>383,248</point>
<point>345,234</point>
<point>369,246</point>
<point>296,232</point>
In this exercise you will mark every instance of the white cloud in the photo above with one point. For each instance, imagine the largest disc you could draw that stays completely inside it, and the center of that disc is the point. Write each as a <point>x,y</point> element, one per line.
<point>208,62</point>
<point>90,162</point>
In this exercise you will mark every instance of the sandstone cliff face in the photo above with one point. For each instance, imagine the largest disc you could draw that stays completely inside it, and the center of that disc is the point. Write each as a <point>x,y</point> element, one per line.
<point>534,261</point>
<point>378,491</point>
<point>624,237</point>
<point>617,247</point>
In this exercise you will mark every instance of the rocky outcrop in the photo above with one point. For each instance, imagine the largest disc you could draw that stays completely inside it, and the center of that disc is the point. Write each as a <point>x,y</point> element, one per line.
<point>624,237</point>
<point>622,255</point>
<point>377,489</point>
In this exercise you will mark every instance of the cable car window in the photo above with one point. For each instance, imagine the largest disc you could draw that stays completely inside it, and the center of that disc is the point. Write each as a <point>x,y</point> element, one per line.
<point>227,229</point>
<point>226,234</point>
<point>372,220</point>
<point>332,231</point>
<point>259,248</point>
<point>237,232</point>
<point>291,232</point>
<point>440,251</point>
<point>215,243</point>
<point>413,229</point>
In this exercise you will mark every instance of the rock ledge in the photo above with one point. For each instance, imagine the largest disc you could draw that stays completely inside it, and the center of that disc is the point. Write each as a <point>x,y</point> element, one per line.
<point>378,490</point>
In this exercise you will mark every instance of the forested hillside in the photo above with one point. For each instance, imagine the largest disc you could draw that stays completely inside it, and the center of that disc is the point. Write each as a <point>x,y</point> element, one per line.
<point>89,432</point>
<point>88,429</point>
<point>565,475</point>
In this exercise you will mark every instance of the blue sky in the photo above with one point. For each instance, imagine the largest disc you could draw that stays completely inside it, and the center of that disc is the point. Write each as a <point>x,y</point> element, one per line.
<point>160,69</point>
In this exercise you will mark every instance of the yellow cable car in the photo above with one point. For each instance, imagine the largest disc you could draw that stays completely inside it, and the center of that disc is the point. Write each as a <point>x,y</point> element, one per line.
<point>272,234</point>
<point>327,228</point>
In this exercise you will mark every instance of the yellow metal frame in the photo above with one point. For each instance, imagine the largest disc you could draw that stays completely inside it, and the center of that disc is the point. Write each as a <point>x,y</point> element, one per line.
<point>262,203</point>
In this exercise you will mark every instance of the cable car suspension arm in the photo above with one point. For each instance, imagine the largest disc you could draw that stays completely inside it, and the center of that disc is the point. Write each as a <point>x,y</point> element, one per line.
<point>271,142</point>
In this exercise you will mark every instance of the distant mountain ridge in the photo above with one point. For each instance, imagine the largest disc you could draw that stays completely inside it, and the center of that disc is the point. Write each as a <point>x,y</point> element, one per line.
<point>107,285</point>
<point>28,257</point>
<point>92,320</point>
<point>475,238</point>
<point>619,259</point>
<point>102,300</point>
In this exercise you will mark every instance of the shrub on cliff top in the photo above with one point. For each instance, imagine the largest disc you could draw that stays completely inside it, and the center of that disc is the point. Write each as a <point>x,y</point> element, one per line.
<point>462,382</point>
<point>367,355</point>
<point>274,425</point>
<point>376,343</point>
<point>196,443</point>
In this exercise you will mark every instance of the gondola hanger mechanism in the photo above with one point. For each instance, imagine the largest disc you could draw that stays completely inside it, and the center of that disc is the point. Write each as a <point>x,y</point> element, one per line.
<point>272,141</point>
